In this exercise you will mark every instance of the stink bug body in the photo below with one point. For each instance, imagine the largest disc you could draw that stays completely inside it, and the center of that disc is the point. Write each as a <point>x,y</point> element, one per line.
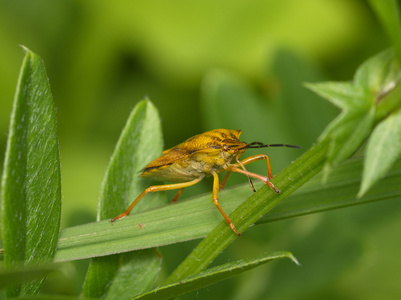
<point>203,155</point>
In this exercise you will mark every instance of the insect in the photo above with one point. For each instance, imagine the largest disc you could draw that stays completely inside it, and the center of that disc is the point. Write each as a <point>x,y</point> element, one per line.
<point>203,155</point>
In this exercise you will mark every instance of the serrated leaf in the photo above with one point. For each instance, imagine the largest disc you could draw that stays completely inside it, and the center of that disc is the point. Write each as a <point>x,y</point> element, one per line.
<point>140,142</point>
<point>383,149</point>
<point>211,276</point>
<point>31,186</point>
<point>358,100</point>
<point>344,95</point>
<point>352,126</point>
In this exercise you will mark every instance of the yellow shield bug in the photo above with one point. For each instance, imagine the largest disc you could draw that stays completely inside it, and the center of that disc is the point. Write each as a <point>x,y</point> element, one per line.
<point>203,155</point>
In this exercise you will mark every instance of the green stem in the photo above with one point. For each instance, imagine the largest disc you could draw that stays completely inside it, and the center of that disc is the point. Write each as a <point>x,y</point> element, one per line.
<point>389,104</point>
<point>387,11</point>
<point>289,180</point>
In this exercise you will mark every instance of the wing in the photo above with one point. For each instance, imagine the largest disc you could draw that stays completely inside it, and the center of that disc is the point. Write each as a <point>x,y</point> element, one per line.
<point>166,159</point>
<point>209,142</point>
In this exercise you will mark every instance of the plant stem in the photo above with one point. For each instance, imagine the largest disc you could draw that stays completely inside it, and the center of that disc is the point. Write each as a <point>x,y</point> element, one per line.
<point>289,180</point>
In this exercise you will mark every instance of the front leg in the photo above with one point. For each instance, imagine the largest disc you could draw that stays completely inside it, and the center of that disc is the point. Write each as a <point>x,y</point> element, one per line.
<point>257,157</point>
<point>234,168</point>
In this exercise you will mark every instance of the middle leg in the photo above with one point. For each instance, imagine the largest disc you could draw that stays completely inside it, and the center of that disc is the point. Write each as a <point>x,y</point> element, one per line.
<point>216,202</point>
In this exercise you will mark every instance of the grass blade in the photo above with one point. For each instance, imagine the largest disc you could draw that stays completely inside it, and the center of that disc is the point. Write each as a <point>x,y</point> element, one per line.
<point>194,218</point>
<point>211,276</point>
<point>340,190</point>
<point>31,186</point>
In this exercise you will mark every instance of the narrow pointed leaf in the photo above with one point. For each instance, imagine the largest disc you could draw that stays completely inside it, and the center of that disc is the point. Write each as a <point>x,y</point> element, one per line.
<point>211,276</point>
<point>31,186</point>
<point>139,143</point>
<point>383,149</point>
<point>194,218</point>
<point>338,191</point>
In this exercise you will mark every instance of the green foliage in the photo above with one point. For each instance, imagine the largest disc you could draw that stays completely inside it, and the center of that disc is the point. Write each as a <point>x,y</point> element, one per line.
<point>383,149</point>
<point>210,276</point>
<point>290,179</point>
<point>31,186</point>
<point>373,81</point>
<point>198,216</point>
<point>123,263</point>
<point>19,276</point>
<point>389,15</point>
<point>140,142</point>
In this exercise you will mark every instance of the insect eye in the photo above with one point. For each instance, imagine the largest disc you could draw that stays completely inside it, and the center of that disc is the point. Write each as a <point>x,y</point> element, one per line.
<point>225,147</point>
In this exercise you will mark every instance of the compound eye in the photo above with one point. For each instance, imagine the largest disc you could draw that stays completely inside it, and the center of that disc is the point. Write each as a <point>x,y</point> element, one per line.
<point>225,147</point>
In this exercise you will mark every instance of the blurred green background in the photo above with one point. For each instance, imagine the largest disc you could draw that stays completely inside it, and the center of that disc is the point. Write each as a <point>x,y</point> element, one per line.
<point>207,64</point>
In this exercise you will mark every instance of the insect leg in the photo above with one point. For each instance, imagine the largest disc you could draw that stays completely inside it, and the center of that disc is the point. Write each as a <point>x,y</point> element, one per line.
<point>257,157</point>
<point>177,195</point>
<point>249,178</point>
<point>224,181</point>
<point>216,201</point>
<point>266,180</point>
<point>157,188</point>
<point>240,163</point>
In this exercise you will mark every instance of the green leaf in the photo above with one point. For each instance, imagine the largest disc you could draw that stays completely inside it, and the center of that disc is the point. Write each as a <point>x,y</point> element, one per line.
<point>211,276</point>
<point>378,74</point>
<point>338,191</point>
<point>388,13</point>
<point>138,273</point>
<point>31,186</point>
<point>55,297</point>
<point>195,217</point>
<point>139,143</point>
<point>20,275</point>
<point>383,149</point>
<point>352,126</point>
<point>250,211</point>
<point>373,81</point>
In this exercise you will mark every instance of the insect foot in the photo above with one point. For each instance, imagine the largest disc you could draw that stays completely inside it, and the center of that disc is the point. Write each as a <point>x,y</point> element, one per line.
<point>118,217</point>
